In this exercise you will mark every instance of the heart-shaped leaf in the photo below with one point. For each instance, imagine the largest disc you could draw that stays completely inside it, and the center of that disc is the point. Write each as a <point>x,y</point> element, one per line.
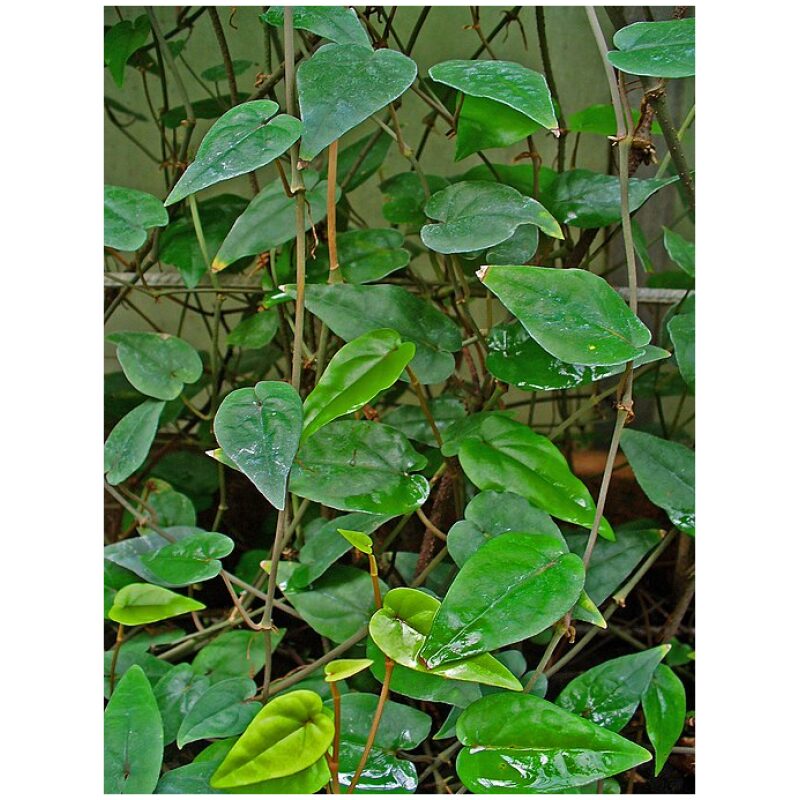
<point>354,465</point>
<point>369,255</point>
<point>141,604</point>
<point>175,694</point>
<point>288,734</point>
<point>522,743</point>
<point>133,741</point>
<point>127,215</point>
<point>156,364</point>
<point>337,23</point>
<point>399,630</point>
<point>514,587</point>
<point>234,654</point>
<point>121,42</point>
<point>350,311</point>
<point>241,140</point>
<point>343,668</point>
<point>343,84</point>
<point>681,331</point>
<point>255,331</point>
<point>222,710</point>
<point>190,560</point>
<point>572,313</point>
<point>129,442</point>
<point>665,471</point>
<point>259,429</point>
<point>354,376</point>
<point>664,705</point>
<point>659,49</point>
<point>504,455</point>
<point>680,251</point>
<point>359,540</point>
<point>519,249</point>
<point>474,215</point>
<point>405,198</point>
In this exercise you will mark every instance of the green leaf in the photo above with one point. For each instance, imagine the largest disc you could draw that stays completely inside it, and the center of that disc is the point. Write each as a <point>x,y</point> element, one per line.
<point>354,465</point>
<point>338,604</point>
<point>288,734</point>
<point>609,694</point>
<point>488,515</point>
<point>343,668</point>
<point>665,471</point>
<point>189,779</point>
<point>121,42</point>
<point>586,610</point>
<point>350,311</point>
<point>130,655</point>
<point>175,694</point>
<point>602,120</point>
<point>466,428</point>
<point>141,604</point>
<point>358,539</point>
<point>519,176</point>
<point>129,442</point>
<point>664,705</point>
<point>519,249</point>
<point>127,215</point>
<point>659,49</point>
<point>369,255</point>
<point>222,710</point>
<point>504,455</point>
<point>241,140</point>
<point>157,364</point>
<point>572,313</point>
<point>679,655</point>
<point>218,72</point>
<point>587,199</point>
<point>474,215</point>
<point>234,654</point>
<point>514,587</point>
<point>399,630</point>
<point>336,23</point>
<point>259,429</point>
<point>405,198</point>
<point>522,743</point>
<point>411,421</point>
<point>640,246</point>
<point>343,84</point>
<point>681,331</point>
<point>268,221</point>
<point>133,738</point>
<point>349,160</point>
<point>206,108</point>
<point>355,375</point>
<point>166,507</point>
<point>255,331</point>
<point>129,553</point>
<point>680,251</point>
<point>190,560</point>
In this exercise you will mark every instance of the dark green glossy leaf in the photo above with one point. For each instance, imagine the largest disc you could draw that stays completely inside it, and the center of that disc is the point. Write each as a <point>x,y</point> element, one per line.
<point>664,705</point>
<point>602,120</point>
<point>369,255</point>
<point>190,560</point>
<point>474,215</point>
<point>609,694</point>
<point>399,630</point>
<point>129,442</point>
<point>665,471</point>
<point>355,375</point>
<point>222,710</point>
<point>522,743</point>
<point>218,73</point>
<point>290,733</point>
<point>406,198</point>
<point>121,42</point>
<point>127,215</point>
<point>188,779</point>
<point>489,514</point>
<point>133,738</point>
<point>129,553</point>
<point>679,655</point>
<point>141,604</point>
<point>157,364</point>
<point>411,421</point>
<point>338,604</point>
<point>205,108</point>
<point>241,140</point>
<point>268,221</point>
<point>131,655</point>
<point>337,23</point>
<point>259,430</point>
<point>659,49</point>
<point>348,161</point>
<point>514,587</point>
<point>681,331</point>
<point>587,199</point>
<point>175,694</point>
<point>255,331</point>
<point>341,85</point>
<point>572,313</point>
<point>506,455</point>
<point>680,251</point>
<point>234,654</point>
<point>519,249</point>
<point>463,429</point>
<point>383,773</point>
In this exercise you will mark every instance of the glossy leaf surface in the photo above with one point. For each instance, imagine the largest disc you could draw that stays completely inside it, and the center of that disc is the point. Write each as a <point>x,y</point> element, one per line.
<point>504,455</point>
<point>411,421</point>
<point>343,668</point>
<point>157,364</point>
<point>259,429</point>
<point>522,743</point>
<point>369,255</point>
<point>572,313</point>
<point>175,694</point>
<point>664,705</point>
<point>129,442</point>
<point>359,540</point>
<point>514,587</point>
<point>473,215</point>
<point>659,49</point>
<point>234,654</point>
<point>336,23</point>
<point>127,216</point>
<point>680,251</point>
<point>519,249</point>
<point>289,733</point>
<point>141,604</point>
<point>241,140</point>
<point>193,559</point>
<point>222,710</point>
<point>682,332</point>
<point>405,198</point>
<point>255,331</point>
<point>354,376</point>
<point>483,124</point>
<point>600,119</point>
<point>341,85</point>
<point>665,471</point>
<point>133,738</point>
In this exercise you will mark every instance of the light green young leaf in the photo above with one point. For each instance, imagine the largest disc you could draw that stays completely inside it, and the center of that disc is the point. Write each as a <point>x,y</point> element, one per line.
<point>141,604</point>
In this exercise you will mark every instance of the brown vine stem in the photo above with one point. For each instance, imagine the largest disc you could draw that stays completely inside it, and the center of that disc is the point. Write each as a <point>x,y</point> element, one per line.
<point>551,82</point>
<point>113,668</point>
<point>558,632</point>
<point>333,150</point>
<point>376,721</point>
